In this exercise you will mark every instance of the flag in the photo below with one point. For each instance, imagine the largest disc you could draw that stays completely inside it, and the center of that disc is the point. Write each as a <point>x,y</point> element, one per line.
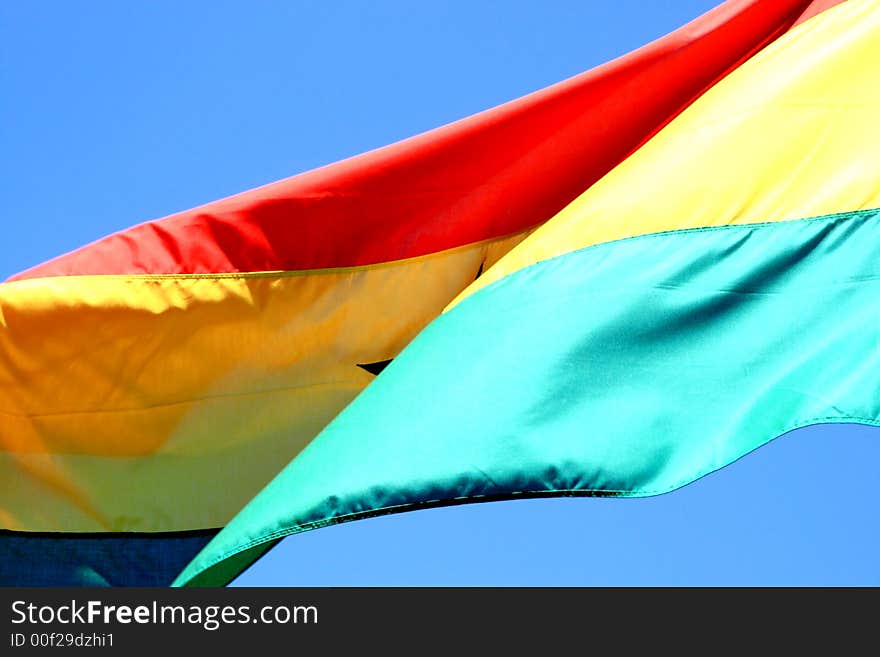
<point>152,382</point>
<point>712,292</point>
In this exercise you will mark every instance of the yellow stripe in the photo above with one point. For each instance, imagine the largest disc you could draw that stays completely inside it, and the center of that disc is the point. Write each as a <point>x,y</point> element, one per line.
<point>161,403</point>
<point>792,133</point>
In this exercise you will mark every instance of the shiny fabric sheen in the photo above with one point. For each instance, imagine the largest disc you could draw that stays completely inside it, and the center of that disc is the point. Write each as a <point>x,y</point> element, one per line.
<point>792,133</point>
<point>627,369</point>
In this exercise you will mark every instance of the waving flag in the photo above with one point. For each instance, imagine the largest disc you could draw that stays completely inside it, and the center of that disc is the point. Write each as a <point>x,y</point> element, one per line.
<point>151,383</point>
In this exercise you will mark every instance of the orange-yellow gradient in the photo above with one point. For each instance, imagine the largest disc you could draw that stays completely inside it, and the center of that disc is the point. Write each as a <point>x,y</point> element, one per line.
<point>124,398</point>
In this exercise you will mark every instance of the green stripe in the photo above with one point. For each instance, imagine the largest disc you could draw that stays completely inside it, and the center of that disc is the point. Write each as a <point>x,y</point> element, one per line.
<point>627,368</point>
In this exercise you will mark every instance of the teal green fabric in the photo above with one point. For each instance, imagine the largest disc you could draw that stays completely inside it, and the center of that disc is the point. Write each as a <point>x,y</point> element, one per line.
<point>626,368</point>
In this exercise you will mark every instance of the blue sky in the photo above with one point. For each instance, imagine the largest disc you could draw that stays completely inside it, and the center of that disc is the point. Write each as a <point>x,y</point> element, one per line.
<point>115,113</point>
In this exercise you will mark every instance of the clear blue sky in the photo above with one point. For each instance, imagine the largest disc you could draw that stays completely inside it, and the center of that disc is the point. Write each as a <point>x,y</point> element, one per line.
<point>114,113</point>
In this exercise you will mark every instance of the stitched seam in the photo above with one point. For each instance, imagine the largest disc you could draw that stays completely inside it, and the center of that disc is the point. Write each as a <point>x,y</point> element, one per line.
<point>277,274</point>
<point>829,218</point>
<point>243,393</point>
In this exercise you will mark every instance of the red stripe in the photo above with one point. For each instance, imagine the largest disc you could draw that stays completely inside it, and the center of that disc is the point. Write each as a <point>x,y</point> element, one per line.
<point>489,175</point>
